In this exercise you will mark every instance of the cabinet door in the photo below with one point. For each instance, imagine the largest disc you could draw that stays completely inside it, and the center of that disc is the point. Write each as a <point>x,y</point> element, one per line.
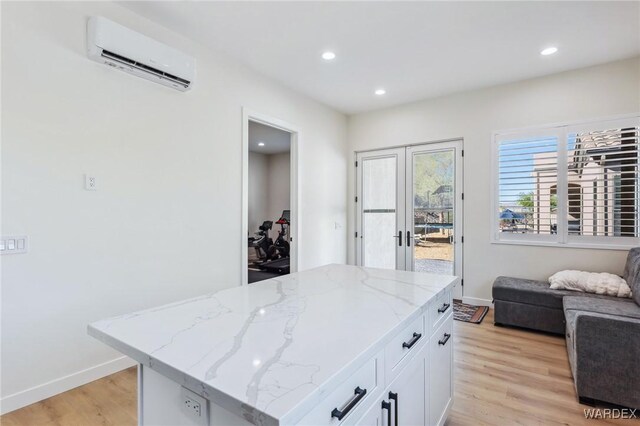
<point>410,388</point>
<point>440,373</point>
<point>373,417</point>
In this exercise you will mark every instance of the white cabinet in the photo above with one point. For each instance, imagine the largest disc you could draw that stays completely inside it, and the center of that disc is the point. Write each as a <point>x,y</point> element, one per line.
<point>440,372</point>
<point>409,390</point>
<point>403,402</point>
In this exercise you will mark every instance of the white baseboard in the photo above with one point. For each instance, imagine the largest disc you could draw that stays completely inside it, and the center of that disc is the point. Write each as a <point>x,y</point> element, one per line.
<point>477,302</point>
<point>63,384</point>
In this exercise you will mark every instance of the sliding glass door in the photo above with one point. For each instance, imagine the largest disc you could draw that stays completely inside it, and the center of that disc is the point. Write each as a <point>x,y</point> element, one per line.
<point>409,209</point>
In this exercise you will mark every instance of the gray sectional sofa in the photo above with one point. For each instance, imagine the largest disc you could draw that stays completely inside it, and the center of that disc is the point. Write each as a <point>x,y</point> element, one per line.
<point>602,332</point>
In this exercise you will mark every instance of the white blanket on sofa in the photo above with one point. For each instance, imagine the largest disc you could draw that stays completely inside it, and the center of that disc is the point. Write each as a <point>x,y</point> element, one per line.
<point>590,282</point>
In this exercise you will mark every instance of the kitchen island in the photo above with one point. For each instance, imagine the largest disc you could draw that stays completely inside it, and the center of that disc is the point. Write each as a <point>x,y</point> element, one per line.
<point>333,345</point>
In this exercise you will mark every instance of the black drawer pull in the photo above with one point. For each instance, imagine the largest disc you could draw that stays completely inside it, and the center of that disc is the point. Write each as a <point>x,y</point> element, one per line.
<point>445,339</point>
<point>444,308</point>
<point>358,395</point>
<point>394,397</point>
<point>387,406</point>
<point>414,339</point>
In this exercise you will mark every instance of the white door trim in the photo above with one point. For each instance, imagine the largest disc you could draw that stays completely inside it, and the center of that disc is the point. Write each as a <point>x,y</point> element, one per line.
<point>249,115</point>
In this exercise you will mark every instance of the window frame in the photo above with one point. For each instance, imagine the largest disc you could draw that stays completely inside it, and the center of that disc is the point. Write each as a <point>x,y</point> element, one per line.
<point>561,131</point>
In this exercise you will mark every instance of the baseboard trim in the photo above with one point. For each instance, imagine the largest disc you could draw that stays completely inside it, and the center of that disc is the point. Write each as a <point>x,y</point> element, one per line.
<point>46,390</point>
<point>477,302</point>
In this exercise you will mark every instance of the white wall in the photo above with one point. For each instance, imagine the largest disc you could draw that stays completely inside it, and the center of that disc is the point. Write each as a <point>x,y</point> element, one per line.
<point>269,189</point>
<point>279,186</point>
<point>258,194</point>
<point>595,92</point>
<point>165,223</point>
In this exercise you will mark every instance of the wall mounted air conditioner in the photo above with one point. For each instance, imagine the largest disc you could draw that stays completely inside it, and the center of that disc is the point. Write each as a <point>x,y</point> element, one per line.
<point>112,44</point>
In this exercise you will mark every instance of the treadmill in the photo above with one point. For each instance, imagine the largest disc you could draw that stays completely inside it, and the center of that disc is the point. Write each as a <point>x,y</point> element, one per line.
<point>279,266</point>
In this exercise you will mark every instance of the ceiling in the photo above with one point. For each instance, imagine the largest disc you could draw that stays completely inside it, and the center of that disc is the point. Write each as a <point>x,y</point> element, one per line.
<point>415,50</point>
<point>275,141</point>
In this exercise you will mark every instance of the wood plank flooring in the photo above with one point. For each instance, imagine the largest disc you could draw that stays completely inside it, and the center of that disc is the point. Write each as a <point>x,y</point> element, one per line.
<point>503,376</point>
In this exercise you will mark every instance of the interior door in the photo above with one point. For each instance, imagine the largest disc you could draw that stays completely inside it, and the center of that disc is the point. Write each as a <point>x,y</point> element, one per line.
<point>409,209</point>
<point>434,209</point>
<point>381,215</point>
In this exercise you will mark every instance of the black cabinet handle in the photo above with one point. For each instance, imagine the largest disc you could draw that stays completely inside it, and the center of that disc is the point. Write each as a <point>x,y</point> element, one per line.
<point>414,339</point>
<point>387,406</point>
<point>394,397</point>
<point>444,308</point>
<point>445,339</point>
<point>358,395</point>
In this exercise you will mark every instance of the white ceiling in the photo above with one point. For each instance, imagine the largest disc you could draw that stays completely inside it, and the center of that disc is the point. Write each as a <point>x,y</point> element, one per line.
<point>275,141</point>
<point>415,50</point>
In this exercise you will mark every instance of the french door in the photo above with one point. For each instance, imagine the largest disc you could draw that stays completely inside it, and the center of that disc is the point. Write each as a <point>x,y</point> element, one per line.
<point>409,209</point>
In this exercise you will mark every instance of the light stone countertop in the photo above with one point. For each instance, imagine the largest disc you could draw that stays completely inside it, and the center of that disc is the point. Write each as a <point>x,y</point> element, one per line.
<point>270,351</point>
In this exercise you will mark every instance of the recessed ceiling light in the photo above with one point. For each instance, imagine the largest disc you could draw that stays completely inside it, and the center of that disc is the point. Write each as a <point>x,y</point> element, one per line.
<point>549,51</point>
<point>260,143</point>
<point>380,92</point>
<point>328,56</point>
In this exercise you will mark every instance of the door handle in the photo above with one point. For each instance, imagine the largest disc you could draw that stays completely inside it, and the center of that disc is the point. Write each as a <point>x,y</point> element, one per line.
<point>387,406</point>
<point>408,238</point>
<point>399,237</point>
<point>358,395</point>
<point>394,397</point>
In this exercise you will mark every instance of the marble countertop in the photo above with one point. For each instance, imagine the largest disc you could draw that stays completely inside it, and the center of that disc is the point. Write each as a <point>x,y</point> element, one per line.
<point>270,351</point>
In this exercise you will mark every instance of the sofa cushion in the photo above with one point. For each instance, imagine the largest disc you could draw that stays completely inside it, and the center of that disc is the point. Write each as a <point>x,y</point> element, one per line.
<point>571,317</point>
<point>618,307</point>
<point>534,292</point>
<point>632,273</point>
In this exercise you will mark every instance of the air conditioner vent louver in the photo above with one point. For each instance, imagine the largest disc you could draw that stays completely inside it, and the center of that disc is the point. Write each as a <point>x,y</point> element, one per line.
<point>119,47</point>
<point>142,67</point>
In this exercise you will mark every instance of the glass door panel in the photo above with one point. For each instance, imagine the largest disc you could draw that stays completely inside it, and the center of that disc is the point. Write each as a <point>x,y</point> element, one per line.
<point>380,210</point>
<point>433,196</point>
<point>434,209</point>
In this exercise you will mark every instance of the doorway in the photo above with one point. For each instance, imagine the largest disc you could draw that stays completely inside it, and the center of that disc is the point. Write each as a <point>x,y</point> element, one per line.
<point>409,209</point>
<point>269,198</point>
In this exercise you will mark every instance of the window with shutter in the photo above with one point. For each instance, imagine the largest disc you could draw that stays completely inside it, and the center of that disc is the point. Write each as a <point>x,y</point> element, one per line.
<point>573,185</point>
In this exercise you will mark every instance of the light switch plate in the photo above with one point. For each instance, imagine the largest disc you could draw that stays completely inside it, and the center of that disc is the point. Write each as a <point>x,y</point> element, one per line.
<point>14,244</point>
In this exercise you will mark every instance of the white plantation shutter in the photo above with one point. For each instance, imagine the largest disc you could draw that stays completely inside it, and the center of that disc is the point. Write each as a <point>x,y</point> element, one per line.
<point>602,182</point>
<point>527,185</point>
<point>572,185</point>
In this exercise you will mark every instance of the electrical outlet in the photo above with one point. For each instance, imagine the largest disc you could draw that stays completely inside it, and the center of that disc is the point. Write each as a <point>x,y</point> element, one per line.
<point>90,183</point>
<point>194,406</point>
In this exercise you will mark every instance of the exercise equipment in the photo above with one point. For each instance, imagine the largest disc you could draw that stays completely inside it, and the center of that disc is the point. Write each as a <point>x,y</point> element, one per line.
<point>277,259</point>
<point>262,243</point>
<point>280,248</point>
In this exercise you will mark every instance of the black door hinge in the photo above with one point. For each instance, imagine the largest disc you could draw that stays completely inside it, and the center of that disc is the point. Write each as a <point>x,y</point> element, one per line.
<point>356,164</point>
<point>356,234</point>
<point>463,195</point>
<point>462,282</point>
<point>463,152</point>
<point>356,198</point>
<point>462,239</point>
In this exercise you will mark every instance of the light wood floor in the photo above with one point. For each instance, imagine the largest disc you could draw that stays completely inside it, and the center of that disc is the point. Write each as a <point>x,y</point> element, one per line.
<point>503,376</point>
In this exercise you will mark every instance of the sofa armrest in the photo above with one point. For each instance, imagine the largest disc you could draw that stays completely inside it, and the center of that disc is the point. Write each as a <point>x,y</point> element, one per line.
<point>608,358</point>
